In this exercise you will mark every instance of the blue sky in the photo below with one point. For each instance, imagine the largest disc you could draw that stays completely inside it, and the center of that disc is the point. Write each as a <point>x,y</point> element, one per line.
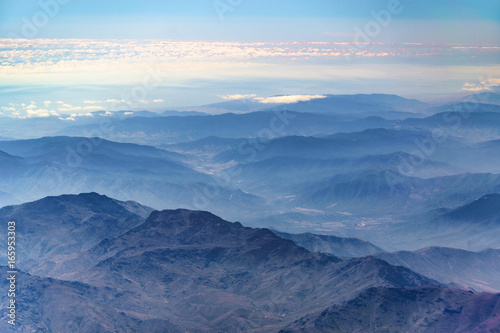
<point>312,20</point>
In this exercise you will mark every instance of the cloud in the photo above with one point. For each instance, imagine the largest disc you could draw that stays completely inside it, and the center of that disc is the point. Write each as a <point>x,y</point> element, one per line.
<point>481,86</point>
<point>88,114</point>
<point>159,100</point>
<point>41,113</point>
<point>237,96</point>
<point>106,101</point>
<point>123,62</point>
<point>274,99</point>
<point>32,106</point>
<point>70,108</point>
<point>288,99</point>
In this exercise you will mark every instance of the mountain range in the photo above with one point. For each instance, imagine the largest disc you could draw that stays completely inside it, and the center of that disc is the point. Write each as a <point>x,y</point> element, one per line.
<point>176,270</point>
<point>357,213</point>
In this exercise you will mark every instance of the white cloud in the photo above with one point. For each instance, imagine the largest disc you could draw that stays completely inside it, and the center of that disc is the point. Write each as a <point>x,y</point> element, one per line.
<point>238,96</point>
<point>88,114</point>
<point>70,108</point>
<point>481,86</point>
<point>288,99</point>
<point>41,113</point>
<point>105,101</point>
<point>159,100</point>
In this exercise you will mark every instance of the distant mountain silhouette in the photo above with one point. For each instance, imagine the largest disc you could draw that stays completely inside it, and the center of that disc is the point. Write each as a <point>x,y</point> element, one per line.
<point>484,209</point>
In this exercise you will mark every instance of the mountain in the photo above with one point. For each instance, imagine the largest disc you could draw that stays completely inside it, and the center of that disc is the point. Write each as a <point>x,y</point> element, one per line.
<point>394,310</point>
<point>477,124</point>
<point>51,305</point>
<point>278,174</point>
<point>375,141</point>
<point>468,270</point>
<point>362,105</point>
<point>181,270</point>
<point>177,270</point>
<point>176,129</point>
<point>482,210</point>
<point>337,246</point>
<point>467,219</point>
<point>205,147</point>
<point>466,107</point>
<point>354,106</point>
<point>389,192</point>
<point>219,275</point>
<point>157,177</point>
<point>484,97</point>
<point>240,105</point>
<point>262,125</point>
<point>55,228</point>
<point>172,113</point>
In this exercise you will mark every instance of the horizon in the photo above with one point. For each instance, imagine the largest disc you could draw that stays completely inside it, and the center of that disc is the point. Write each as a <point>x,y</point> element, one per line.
<point>163,55</point>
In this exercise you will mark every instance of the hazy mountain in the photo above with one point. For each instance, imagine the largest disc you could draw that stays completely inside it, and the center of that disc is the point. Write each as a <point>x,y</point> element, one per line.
<point>172,113</point>
<point>262,124</point>
<point>477,270</point>
<point>278,174</point>
<point>354,106</point>
<point>163,130</point>
<point>377,141</point>
<point>387,192</point>
<point>362,105</point>
<point>157,177</point>
<point>395,310</point>
<point>337,246</point>
<point>466,107</point>
<point>475,125</point>
<point>468,223</point>
<point>483,210</point>
<point>484,97</point>
<point>241,105</point>
<point>206,147</point>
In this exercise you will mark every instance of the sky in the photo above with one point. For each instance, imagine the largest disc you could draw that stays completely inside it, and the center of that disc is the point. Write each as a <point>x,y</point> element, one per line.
<point>159,55</point>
